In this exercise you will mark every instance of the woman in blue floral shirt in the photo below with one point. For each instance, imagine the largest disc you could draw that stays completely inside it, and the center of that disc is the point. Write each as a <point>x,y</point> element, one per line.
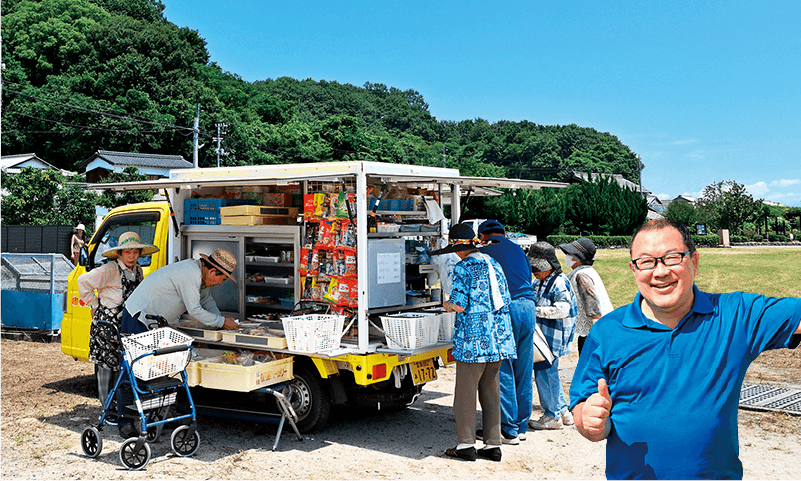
<point>482,338</point>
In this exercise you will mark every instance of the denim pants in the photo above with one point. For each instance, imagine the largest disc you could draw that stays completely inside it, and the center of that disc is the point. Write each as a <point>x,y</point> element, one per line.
<point>516,389</point>
<point>549,387</point>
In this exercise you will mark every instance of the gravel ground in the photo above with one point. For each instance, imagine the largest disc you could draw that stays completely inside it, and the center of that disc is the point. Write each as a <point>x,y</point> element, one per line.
<point>48,399</point>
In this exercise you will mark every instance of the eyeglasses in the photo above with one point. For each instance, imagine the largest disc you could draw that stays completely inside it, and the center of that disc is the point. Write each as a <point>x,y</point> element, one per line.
<point>648,263</point>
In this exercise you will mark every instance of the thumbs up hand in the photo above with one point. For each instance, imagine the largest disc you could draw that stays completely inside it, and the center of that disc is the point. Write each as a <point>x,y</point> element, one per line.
<point>593,414</point>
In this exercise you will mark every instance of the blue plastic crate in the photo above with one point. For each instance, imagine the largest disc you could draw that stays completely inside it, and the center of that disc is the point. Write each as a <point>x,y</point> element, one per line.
<point>207,211</point>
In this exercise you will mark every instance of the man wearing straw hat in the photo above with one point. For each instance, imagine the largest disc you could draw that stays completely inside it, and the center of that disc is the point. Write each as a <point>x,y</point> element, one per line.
<point>181,288</point>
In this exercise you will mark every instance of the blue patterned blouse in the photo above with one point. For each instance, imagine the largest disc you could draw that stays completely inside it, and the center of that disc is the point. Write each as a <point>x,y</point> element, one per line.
<point>481,333</point>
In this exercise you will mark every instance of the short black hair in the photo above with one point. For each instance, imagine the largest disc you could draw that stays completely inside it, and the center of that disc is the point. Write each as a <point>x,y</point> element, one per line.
<point>657,224</point>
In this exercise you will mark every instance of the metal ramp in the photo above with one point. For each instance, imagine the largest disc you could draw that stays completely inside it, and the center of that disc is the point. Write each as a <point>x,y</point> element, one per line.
<point>771,398</point>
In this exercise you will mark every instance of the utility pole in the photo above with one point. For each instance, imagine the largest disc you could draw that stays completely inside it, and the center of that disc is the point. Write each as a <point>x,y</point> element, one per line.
<point>219,137</point>
<point>443,156</point>
<point>639,173</point>
<point>2,67</point>
<point>195,131</point>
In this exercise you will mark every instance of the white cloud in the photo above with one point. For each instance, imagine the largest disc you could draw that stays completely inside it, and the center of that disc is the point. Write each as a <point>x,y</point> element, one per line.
<point>785,182</point>
<point>758,190</point>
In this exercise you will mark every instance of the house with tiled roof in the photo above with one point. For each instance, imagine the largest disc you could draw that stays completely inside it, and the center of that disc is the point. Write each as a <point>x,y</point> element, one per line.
<point>154,166</point>
<point>13,164</point>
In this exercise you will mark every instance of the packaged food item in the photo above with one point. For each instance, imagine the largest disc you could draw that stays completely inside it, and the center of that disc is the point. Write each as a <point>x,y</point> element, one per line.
<point>353,297</point>
<point>332,294</point>
<point>350,261</point>
<point>305,261</point>
<point>347,237</point>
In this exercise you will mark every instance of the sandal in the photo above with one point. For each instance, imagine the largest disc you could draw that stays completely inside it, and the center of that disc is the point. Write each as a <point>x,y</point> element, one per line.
<point>468,454</point>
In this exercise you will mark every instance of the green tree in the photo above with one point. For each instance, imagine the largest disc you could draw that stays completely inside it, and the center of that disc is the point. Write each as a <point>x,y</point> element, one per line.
<point>683,212</point>
<point>603,207</point>
<point>729,205</point>
<point>44,197</point>
<point>111,198</point>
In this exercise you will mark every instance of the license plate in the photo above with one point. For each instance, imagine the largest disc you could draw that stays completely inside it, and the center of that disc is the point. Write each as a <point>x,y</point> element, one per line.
<point>423,371</point>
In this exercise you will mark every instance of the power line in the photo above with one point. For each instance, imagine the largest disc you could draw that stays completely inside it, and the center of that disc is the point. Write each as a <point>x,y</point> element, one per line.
<point>128,117</point>
<point>79,127</point>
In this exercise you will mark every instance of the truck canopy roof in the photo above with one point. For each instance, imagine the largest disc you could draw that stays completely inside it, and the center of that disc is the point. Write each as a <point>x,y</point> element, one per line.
<point>282,174</point>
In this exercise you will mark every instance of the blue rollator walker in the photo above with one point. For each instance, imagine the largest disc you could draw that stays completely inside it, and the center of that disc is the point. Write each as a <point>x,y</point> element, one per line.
<point>153,364</point>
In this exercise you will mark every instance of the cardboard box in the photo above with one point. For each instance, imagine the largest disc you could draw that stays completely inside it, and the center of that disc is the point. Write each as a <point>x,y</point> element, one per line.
<point>258,220</point>
<point>277,200</point>
<point>258,210</point>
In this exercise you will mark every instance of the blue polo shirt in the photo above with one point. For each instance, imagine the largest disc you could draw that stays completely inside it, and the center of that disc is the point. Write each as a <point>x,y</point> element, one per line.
<point>515,264</point>
<point>675,392</point>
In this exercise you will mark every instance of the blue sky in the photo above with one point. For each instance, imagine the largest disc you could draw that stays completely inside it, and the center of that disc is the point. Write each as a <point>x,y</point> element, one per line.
<point>703,91</point>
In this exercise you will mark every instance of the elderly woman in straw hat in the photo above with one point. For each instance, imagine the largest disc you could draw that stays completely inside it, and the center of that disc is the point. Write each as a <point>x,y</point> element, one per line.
<point>105,289</point>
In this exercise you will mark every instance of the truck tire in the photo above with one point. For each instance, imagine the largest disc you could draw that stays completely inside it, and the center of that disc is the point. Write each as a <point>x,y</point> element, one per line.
<point>309,398</point>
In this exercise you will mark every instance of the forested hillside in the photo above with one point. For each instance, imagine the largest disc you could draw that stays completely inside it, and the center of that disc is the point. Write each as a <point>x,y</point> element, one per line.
<point>84,75</point>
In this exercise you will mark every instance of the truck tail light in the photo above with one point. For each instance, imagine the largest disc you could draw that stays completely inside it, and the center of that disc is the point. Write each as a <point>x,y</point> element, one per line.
<point>450,356</point>
<point>379,371</point>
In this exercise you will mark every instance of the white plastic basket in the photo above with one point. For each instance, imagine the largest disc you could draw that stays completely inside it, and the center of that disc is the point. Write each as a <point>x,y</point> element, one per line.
<point>151,367</point>
<point>446,323</point>
<point>411,330</point>
<point>313,332</point>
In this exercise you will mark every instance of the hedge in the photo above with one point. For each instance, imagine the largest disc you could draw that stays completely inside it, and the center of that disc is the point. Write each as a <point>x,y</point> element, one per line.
<point>602,241</point>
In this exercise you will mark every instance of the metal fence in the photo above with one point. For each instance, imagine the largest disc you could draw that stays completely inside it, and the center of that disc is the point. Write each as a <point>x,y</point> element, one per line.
<point>44,239</point>
<point>34,290</point>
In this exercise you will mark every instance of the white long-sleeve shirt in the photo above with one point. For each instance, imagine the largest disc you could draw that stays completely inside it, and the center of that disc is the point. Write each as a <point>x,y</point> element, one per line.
<point>173,290</point>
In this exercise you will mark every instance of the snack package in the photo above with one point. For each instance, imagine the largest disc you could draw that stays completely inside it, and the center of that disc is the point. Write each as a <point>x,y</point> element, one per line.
<point>310,240</point>
<point>339,262</point>
<point>350,261</point>
<point>327,234</point>
<point>343,298</point>
<point>319,204</point>
<point>333,206</point>
<point>347,234</point>
<point>342,208</point>
<point>308,207</point>
<point>353,292</point>
<point>305,261</point>
<point>321,289</point>
<point>332,294</point>
<point>314,266</point>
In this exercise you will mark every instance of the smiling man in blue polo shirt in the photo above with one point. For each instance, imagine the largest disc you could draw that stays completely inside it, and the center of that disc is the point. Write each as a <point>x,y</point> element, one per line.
<point>660,378</point>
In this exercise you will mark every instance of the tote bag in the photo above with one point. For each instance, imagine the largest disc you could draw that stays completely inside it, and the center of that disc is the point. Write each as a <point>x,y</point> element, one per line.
<point>543,357</point>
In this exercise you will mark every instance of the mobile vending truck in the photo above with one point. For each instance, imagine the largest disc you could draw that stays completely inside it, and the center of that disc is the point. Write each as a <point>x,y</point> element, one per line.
<point>350,236</point>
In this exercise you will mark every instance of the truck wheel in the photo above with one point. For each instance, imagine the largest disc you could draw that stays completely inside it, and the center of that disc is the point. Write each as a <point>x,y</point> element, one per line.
<point>309,398</point>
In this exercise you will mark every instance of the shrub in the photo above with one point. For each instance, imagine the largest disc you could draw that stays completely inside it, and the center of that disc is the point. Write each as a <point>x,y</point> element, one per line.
<point>758,238</point>
<point>777,238</point>
<point>600,241</point>
<point>709,240</point>
<point>738,238</point>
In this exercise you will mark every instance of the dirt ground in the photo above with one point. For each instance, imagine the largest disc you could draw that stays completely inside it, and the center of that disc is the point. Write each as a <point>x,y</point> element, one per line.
<point>48,399</point>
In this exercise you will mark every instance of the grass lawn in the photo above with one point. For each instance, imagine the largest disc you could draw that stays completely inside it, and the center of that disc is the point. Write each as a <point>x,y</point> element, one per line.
<point>771,271</point>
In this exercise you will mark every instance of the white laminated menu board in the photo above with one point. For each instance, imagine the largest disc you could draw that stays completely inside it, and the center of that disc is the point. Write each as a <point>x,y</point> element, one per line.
<point>386,273</point>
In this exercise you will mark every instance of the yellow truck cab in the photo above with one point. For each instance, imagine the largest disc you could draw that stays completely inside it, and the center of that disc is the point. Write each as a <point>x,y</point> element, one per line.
<point>282,223</point>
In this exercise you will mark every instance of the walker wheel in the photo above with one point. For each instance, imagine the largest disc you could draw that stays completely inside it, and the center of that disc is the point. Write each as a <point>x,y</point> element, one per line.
<point>181,444</point>
<point>132,458</point>
<point>91,442</point>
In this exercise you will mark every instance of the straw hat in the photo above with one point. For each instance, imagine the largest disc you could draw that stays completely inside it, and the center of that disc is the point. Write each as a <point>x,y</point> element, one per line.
<point>130,240</point>
<point>223,260</point>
